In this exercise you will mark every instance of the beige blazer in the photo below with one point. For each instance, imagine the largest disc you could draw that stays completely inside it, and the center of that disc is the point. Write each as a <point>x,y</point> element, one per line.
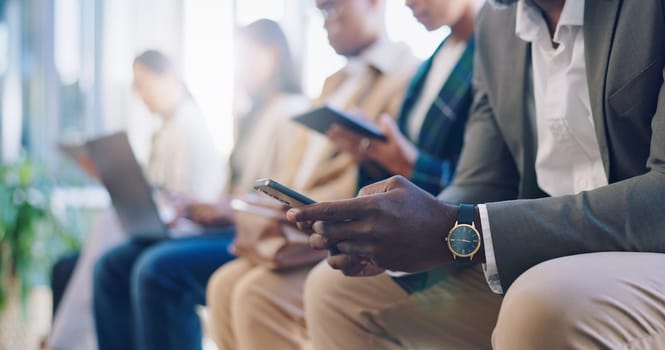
<point>336,172</point>
<point>268,142</point>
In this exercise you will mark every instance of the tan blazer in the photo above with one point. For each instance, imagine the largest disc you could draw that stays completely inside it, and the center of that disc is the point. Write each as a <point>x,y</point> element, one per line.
<point>336,173</point>
<point>267,144</point>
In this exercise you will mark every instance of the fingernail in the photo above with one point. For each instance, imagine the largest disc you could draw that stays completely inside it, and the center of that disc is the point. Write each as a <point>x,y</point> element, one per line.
<point>292,214</point>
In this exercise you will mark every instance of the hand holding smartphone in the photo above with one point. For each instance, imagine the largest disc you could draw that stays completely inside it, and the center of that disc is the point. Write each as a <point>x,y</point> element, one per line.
<point>286,196</point>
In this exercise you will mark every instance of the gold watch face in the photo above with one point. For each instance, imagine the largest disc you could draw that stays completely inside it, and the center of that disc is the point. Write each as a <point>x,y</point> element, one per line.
<point>464,241</point>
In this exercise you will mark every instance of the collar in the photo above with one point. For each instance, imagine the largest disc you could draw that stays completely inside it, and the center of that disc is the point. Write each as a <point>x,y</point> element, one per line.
<point>383,54</point>
<point>530,25</point>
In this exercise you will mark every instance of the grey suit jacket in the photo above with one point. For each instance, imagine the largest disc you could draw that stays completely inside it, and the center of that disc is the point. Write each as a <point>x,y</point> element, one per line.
<point>625,57</point>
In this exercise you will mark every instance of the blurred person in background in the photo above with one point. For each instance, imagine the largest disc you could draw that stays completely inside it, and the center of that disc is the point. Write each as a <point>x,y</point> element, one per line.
<point>251,305</point>
<point>425,141</point>
<point>183,161</point>
<point>146,293</point>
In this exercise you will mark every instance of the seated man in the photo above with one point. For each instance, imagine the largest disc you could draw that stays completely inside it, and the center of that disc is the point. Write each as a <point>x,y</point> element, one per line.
<point>569,103</point>
<point>251,305</point>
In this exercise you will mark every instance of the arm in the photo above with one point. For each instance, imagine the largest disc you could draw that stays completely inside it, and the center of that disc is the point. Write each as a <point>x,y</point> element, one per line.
<point>486,171</point>
<point>624,216</point>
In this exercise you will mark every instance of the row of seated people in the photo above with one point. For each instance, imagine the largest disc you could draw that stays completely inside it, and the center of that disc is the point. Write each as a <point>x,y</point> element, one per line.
<point>539,124</point>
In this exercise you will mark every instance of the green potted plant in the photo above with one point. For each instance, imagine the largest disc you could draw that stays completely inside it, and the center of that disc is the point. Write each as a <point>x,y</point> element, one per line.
<point>24,211</point>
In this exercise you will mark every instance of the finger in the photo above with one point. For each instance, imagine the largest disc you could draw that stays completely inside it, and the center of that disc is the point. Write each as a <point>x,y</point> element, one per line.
<point>319,242</point>
<point>356,248</point>
<point>335,133</point>
<point>349,265</point>
<point>371,270</point>
<point>335,231</point>
<point>341,131</point>
<point>306,227</point>
<point>388,125</point>
<point>345,139</point>
<point>343,143</point>
<point>341,210</point>
<point>381,187</point>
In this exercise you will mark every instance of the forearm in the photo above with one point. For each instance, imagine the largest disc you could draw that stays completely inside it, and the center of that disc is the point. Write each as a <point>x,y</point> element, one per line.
<point>625,216</point>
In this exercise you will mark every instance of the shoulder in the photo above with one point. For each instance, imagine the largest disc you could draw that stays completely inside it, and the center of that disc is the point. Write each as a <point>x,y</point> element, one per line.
<point>405,60</point>
<point>495,24</point>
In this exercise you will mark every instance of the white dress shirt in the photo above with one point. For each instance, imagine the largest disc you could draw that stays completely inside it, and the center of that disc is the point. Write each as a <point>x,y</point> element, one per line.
<point>443,63</point>
<point>183,156</point>
<point>568,158</point>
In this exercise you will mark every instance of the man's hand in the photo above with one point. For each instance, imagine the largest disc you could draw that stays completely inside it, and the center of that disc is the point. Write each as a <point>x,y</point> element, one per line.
<point>392,225</point>
<point>210,215</point>
<point>396,154</point>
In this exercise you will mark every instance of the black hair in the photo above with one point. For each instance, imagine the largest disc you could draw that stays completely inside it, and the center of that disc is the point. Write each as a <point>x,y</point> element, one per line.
<point>266,32</point>
<point>155,61</point>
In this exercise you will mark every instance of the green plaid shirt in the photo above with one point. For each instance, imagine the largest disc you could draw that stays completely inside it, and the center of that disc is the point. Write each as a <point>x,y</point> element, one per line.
<point>442,133</point>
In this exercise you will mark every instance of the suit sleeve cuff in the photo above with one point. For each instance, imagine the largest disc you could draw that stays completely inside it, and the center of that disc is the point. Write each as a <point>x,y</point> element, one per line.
<point>489,267</point>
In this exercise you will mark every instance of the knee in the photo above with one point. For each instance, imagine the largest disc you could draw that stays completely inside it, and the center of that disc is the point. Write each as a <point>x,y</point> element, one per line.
<point>104,273</point>
<point>150,273</point>
<point>321,289</point>
<point>248,295</point>
<point>218,293</point>
<point>542,309</point>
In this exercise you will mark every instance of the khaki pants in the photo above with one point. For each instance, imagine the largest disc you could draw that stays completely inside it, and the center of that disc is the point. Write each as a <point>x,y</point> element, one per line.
<point>375,313</point>
<point>252,307</point>
<point>592,301</point>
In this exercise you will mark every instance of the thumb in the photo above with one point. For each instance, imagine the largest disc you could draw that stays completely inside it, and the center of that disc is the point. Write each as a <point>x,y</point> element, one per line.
<point>388,126</point>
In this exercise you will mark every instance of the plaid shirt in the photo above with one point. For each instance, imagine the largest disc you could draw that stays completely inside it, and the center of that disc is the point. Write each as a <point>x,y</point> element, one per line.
<point>442,133</point>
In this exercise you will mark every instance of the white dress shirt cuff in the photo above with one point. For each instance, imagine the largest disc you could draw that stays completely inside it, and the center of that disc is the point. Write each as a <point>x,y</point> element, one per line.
<point>397,273</point>
<point>489,267</point>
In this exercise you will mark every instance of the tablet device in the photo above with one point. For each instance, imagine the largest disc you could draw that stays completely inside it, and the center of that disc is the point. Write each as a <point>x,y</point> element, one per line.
<point>282,193</point>
<point>322,118</point>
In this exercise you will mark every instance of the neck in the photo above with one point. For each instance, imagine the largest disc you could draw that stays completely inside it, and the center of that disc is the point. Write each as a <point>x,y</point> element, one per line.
<point>170,110</point>
<point>371,40</point>
<point>463,29</point>
<point>551,11</point>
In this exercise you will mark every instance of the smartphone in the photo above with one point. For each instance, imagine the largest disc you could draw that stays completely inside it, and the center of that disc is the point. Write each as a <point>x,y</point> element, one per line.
<point>287,196</point>
<point>282,193</point>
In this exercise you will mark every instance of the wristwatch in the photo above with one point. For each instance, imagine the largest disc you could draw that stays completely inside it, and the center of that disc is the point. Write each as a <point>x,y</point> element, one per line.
<point>463,239</point>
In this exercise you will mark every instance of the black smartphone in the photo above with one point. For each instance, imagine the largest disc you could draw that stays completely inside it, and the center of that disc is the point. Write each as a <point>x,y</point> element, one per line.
<point>289,197</point>
<point>282,193</point>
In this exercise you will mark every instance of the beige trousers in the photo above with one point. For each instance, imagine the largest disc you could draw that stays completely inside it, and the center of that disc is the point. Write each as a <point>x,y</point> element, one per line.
<point>592,301</point>
<point>252,307</point>
<point>375,313</point>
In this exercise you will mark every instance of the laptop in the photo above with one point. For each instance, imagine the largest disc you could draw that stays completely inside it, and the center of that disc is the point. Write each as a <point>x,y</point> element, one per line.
<point>131,195</point>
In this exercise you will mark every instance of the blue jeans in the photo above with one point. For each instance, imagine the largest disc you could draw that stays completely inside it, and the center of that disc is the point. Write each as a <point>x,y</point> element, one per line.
<point>146,293</point>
